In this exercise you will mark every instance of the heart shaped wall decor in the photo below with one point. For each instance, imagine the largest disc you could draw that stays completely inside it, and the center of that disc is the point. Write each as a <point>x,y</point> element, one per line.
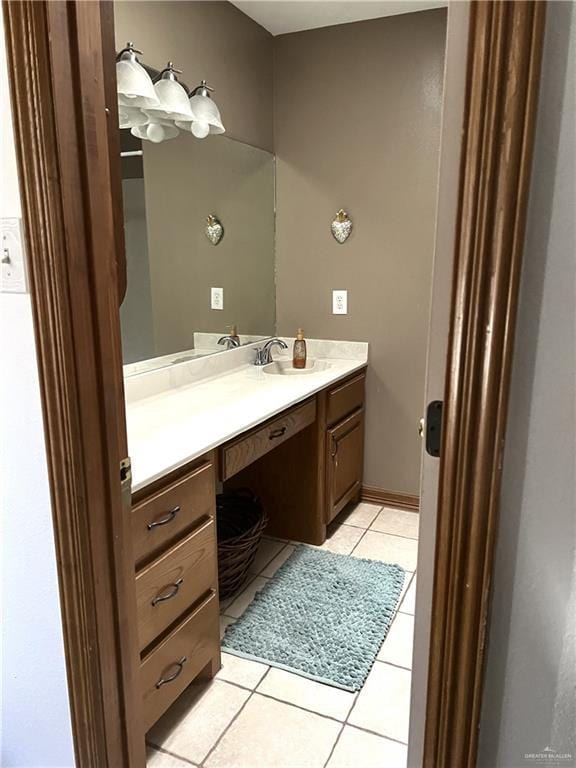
<point>341,226</point>
<point>214,230</point>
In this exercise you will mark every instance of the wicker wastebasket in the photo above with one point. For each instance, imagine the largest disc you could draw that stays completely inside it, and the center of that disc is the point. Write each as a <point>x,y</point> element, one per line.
<point>241,522</point>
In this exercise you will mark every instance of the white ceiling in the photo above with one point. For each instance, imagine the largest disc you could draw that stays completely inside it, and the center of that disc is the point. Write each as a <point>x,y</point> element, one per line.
<point>282,16</point>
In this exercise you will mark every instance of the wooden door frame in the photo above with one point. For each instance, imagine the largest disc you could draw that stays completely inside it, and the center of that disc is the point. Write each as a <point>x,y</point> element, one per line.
<point>55,50</point>
<point>67,186</point>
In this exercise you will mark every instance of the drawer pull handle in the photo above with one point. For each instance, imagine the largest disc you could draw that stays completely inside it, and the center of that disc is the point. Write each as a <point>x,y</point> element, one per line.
<point>160,598</point>
<point>334,450</point>
<point>166,519</point>
<point>277,433</point>
<point>174,675</point>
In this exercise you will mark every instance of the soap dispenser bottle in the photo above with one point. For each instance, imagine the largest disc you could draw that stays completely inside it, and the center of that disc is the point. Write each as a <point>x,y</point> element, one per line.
<point>234,335</point>
<point>299,356</point>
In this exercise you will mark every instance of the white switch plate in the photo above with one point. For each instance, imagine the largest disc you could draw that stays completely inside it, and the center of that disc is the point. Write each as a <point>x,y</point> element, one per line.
<point>217,298</point>
<point>339,302</point>
<point>13,278</point>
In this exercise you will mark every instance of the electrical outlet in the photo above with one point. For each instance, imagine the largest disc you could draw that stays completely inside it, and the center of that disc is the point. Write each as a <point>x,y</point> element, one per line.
<point>217,298</point>
<point>339,302</point>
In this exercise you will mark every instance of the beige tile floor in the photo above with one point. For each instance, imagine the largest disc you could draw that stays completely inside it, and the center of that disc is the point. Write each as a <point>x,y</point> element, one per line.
<point>255,716</point>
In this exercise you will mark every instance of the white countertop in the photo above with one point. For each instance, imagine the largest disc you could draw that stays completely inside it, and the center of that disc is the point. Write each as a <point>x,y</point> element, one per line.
<point>173,426</point>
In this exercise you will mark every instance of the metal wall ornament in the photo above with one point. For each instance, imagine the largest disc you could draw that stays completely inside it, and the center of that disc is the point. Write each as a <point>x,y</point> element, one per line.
<point>341,226</point>
<point>214,229</point>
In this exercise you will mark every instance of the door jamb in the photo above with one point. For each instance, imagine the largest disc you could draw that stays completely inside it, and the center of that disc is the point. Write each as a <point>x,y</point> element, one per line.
<point>61,124</point>
<point>504,58</point>
<point>63,159</point>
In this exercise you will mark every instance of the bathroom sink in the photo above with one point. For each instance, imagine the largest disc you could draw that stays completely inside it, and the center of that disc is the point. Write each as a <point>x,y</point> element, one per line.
<point>285,368</point>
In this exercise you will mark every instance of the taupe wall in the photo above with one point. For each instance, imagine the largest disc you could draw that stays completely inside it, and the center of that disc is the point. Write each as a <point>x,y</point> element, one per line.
<point>185,180</point>
<point>136,309</point>
<point>357,125</point>
<point>211,40</point>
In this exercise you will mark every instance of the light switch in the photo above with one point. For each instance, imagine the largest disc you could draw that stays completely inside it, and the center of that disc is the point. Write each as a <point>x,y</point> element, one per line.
<point>217,298</point>
<point>12,258</point>
<point>339,302</point>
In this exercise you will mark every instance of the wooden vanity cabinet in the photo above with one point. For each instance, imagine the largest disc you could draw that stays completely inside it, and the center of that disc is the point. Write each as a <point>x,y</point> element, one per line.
<point>176,583</point>
<point>344,463</point>
<point>344,445</point>
<point>304,481</point>
<point>305,464</point>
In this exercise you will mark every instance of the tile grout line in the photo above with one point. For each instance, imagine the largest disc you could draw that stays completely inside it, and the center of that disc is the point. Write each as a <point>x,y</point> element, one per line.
<point>165,751</point>
<point>225,731</point>
<point>367,730</point>
<point>336,740</point>
<point>313,711</point>
<point>354,525</point>
<point>392,664</point>
<point>329,717</point>
<point>401,603</point>
<point>396,535</point>
<point>298,706</point>
<point>358,542</point>
<point>320,714</point>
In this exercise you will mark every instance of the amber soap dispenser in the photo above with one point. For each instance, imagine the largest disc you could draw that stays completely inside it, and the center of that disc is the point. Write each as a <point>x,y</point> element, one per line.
<point>299,356</point>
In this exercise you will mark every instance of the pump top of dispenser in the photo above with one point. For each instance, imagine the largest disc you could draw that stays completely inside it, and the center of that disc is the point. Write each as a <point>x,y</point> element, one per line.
<point>300,334</point>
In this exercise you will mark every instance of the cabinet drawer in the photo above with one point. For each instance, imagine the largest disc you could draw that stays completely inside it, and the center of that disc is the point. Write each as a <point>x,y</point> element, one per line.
<point>167,587</point>
<point>345,398</point>
<point>163,518</point>
<point>245,450</point>
<point>174,664</point>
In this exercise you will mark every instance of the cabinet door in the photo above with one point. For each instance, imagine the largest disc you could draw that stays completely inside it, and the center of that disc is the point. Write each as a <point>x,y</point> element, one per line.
<point>344,461</point>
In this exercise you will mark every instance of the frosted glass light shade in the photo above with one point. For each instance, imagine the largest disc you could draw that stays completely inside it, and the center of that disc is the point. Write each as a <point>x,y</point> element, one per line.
<point>129,117</point>
<point>172,97</point>
<point>205,110</point>
<point>133,83</point>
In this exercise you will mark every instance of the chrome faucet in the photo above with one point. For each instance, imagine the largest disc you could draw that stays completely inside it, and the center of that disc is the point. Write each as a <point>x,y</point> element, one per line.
<point>230,342</point>
<point>264,354</point>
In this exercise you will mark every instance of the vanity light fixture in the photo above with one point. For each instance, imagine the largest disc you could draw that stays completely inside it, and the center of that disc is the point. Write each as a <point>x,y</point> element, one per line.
<point>155,109</point>
<point>341,226</point>
<point>206,115</point>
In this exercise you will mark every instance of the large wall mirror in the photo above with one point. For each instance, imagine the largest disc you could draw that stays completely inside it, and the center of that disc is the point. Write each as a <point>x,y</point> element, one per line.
<point>187,289</point>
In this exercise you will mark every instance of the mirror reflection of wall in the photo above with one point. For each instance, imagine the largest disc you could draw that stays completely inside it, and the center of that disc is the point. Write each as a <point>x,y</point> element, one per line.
<point>136,309</point>
<point>169,191</point>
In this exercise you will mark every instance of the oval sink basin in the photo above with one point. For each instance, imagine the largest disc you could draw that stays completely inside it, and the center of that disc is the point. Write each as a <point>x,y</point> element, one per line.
<point>285,368</point>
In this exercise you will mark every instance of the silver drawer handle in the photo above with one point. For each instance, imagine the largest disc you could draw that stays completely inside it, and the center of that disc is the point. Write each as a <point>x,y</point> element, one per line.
<point>160,598</point>
<point>277,433</point>
<point>174,675</point>
<point>163,520</point>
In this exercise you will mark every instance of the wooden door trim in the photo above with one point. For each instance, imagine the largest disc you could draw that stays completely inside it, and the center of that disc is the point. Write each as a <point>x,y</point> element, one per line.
<point>56,48</point>
<point>504,54</point>
<point>54,53</point>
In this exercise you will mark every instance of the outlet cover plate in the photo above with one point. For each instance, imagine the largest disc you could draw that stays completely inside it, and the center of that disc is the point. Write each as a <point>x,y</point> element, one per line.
<point>217,298</point>
<point>339,302</point>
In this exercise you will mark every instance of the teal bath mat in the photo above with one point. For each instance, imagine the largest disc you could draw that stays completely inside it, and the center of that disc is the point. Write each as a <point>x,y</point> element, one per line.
<point>323,616</point>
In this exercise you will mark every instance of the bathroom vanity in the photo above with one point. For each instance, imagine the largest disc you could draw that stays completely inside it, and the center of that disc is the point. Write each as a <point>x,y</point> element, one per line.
<point>294,440</point>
